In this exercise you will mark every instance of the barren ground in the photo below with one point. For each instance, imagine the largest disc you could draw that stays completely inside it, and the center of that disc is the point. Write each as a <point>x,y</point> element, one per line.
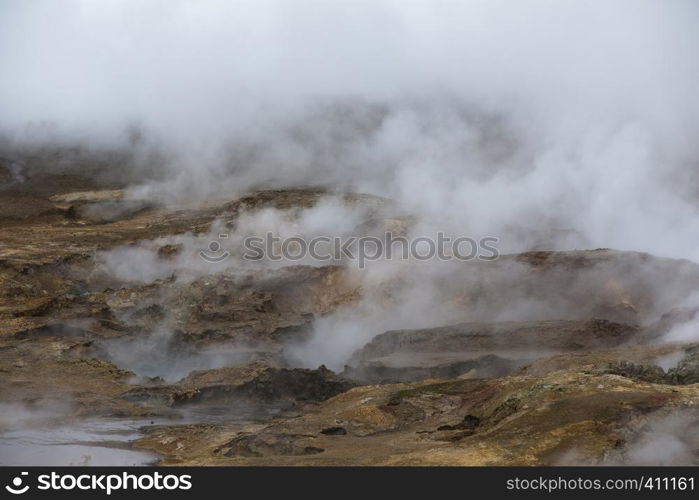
<point>78,342</point>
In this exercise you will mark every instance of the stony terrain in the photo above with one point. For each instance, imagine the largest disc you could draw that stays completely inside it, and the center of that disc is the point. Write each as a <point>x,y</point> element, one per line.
<point>588,375</point>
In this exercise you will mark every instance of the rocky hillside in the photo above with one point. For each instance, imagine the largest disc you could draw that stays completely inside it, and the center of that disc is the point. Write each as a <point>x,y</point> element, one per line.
<point>108,311</point>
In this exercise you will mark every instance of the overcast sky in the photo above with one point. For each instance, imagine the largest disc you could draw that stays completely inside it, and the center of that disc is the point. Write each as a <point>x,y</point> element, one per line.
<point>596,101</point>
<point>211,62</point>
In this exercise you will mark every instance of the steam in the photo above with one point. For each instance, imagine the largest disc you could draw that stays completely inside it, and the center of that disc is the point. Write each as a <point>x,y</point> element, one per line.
<point>686,330</point>
<point>549,125</point>
<point>143,262</point>
<point>395,293</point>
<point>19,415</point>
<point>669,440</point>
<point>572,122</point>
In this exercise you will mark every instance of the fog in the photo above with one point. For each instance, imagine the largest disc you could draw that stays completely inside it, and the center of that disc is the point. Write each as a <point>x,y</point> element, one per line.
<point>559,116</point>
<point>556,125</point>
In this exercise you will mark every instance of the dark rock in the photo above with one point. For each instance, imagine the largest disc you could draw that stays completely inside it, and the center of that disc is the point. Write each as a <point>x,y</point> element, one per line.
<point>469,423</point>
<point>255,382</point>
<point>267,444</point>
<point>484,367</point>
<point>334,431</point>
<point>687,370</point>
<point>485,349</point>
<point>646,373</point>
<point>169,251</point>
